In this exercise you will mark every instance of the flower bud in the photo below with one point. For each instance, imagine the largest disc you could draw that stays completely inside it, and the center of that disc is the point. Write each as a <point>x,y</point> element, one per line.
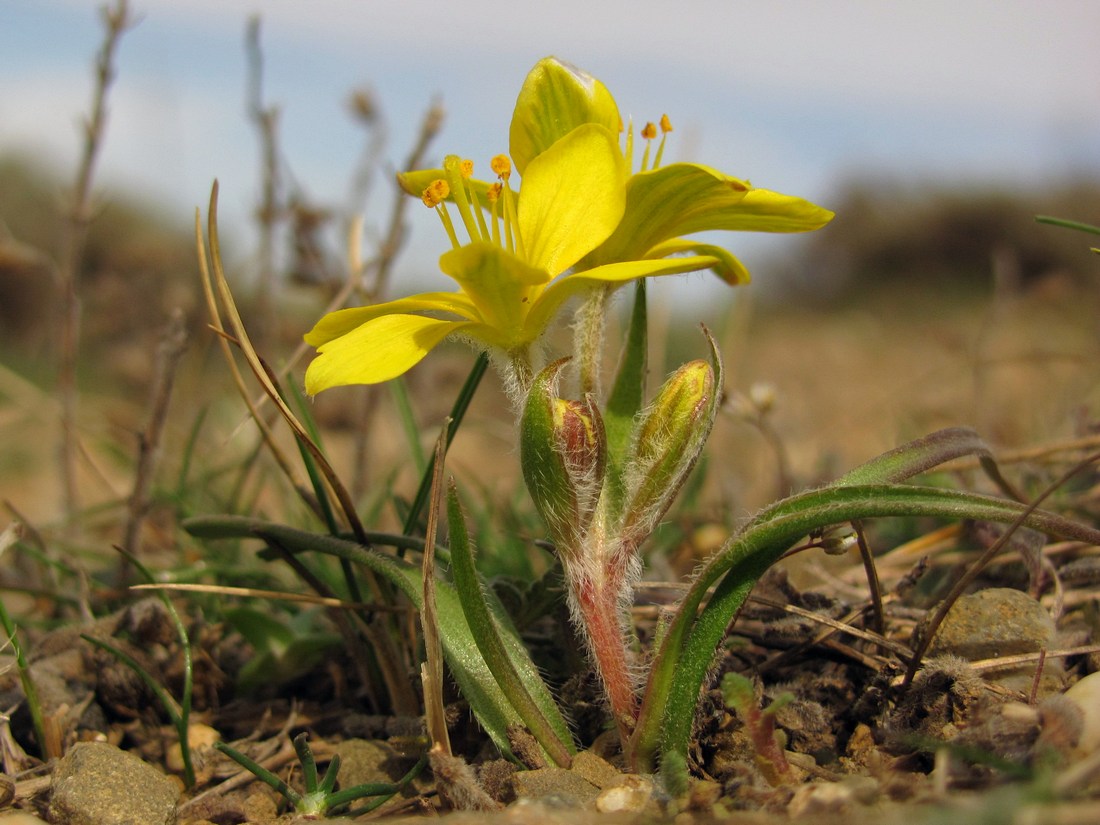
<point>667,442</point>
<point>563,451</point>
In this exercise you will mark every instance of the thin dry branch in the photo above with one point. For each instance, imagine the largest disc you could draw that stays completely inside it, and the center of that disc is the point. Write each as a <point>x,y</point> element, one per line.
<point>115,20</point>
<point>266,120</point>
<point>172,346</point>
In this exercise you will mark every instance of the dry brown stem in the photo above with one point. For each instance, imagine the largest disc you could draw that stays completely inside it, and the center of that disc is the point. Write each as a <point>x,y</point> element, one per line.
<point>115,20</point>
<point>173,343</point>
<point>266,120</point>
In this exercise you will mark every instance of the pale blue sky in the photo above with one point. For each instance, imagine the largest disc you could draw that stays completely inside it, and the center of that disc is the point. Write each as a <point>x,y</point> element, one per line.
<point>795,96</point>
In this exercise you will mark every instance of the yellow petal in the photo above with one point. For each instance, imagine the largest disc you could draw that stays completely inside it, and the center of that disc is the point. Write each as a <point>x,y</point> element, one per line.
<point>728,268</point>
<point>555,99</point>
<point>572,198</point>
<point>612,274</point>
<point>377,351</point>
<point>343,321</point>
<point>683,198</point>
<point>500,285</point>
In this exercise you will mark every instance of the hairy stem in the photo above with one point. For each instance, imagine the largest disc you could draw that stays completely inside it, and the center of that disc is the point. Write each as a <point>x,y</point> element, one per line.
<point>588,339</point>
<point>596,605</point>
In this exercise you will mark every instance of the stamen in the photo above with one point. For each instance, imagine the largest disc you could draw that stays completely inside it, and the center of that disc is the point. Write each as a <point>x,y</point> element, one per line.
<point>503,167</point>
<point>479,214</point>
<point>436,192</point>
<point>453,166</point>
<point>466,172</point>
<point>666,127</point>
<point>649,131</point>
<point>629,151</point>
<point>435,197</point>
<point>493,194</point>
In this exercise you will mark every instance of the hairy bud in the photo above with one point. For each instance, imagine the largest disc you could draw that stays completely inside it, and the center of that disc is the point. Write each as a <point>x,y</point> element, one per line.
<point>668,439</point>
<point>563,451</point>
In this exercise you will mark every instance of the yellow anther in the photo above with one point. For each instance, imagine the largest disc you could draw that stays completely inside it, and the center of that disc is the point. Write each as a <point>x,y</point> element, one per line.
<point>466,169</point>
<point>666,124</point>
<point>649,131</point>
<point>493,192</point>
<point>436,192</point>
<point>501,166</point>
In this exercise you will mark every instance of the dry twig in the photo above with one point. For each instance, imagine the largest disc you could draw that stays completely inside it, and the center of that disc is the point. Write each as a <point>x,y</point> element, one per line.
<point>116,20</point>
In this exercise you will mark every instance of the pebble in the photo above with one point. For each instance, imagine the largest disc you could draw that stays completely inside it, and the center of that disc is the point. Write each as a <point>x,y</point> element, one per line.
<point>1000,621</point>
<point>595,769</point>
<point>555,785</point>
<point>995,622</point>
<point>1085,694</point>
<point>633,794</point>
<point>98,784</point>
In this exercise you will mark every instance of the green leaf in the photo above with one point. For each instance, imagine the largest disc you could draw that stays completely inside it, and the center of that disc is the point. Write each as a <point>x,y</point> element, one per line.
<point>687,651</point>
<point>628,392</point>
<point>532,700</point>
<point>923,454</point>
<point>475,680</point>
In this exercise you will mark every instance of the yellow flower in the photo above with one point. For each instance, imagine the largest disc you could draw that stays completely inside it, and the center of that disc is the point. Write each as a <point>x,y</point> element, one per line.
<point>578,221</point>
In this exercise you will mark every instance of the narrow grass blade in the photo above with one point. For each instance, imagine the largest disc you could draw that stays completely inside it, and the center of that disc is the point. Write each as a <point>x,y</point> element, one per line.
<point>458,412</point>
<point>308,763</point>
<point>400,392</point>
<point>30,691</point>
<point>1067,224</point>
<point>182,721</point>
<point>261,773</point>
<point>475,679</point>
<point>541,717</point>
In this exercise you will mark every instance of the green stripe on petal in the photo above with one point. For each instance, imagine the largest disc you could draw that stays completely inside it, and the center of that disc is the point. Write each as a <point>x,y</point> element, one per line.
<point>612,274</point>
<point>573,197</point>
<point>377,351</point>
<point>728,268</point>
<point>683,198</point>
<point>555,99</point>
<point>343,321</point>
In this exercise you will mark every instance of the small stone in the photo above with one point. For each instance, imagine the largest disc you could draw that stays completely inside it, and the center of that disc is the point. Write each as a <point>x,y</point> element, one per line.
<point>555,784</point>
<point>20,818</point>
<point>260,807</point>
<point>1000,621</point>
<point>96,783</point>
<point>633,794</point>
<point>821,798</point>
<point>594,769</point>
<point>366,761</point>
<point>995,622</point>
<point>1085,694</point>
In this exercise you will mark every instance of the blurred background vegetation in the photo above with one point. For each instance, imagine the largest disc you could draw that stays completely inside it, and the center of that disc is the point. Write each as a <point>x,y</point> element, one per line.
<point>917,307</point>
